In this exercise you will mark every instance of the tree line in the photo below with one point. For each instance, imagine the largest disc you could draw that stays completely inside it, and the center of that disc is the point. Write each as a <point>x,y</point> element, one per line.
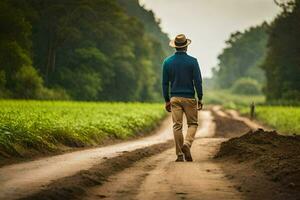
<point>265,56</point>
<point>242,57</point>
<point>282,63</point>
<point>80,49</point>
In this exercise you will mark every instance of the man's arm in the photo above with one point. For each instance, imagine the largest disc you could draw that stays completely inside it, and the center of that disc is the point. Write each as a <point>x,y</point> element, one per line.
<point>165,83</point>
<point>198,80</point>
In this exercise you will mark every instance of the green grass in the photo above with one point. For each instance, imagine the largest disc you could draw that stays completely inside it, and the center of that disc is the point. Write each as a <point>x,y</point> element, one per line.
<point>229,100</point>
<point>285,119</point>
<point>45,125</point>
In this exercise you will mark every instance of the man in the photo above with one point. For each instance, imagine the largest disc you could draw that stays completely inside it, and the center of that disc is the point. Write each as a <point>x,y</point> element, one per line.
<point>182,73</point>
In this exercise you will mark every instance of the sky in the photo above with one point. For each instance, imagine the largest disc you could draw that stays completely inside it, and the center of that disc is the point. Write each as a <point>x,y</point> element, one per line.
<point>209,23</point>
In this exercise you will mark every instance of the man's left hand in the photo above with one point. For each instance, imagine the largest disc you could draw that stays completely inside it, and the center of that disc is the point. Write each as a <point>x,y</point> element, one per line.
<point>200,105</point>
<point>168,106</point>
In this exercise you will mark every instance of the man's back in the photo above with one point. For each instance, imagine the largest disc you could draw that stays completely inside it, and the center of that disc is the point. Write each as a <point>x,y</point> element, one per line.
<point>182,71</point>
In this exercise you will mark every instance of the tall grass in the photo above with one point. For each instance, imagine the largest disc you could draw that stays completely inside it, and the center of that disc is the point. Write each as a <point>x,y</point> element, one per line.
<point>285,119</point>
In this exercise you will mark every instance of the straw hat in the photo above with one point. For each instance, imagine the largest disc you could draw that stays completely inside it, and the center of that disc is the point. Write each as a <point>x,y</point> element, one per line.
<point>180,41</point>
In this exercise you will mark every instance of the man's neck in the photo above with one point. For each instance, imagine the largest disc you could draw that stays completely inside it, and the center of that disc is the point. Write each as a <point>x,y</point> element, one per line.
<point>180,52</point>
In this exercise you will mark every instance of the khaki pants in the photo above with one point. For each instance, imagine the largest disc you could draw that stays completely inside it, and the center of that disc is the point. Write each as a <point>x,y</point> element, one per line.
<point>188,106</point>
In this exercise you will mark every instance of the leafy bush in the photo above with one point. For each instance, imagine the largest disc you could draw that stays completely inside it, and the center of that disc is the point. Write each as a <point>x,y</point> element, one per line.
<point>87,83</point>
<point>53,94</point>
<point>28,83</point>
<point>246,86</point>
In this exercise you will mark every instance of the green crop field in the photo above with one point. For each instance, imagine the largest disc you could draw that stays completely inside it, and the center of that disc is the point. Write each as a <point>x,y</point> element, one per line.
<point>229,100</point>
<point>45,125</point>
<point>285,119</point>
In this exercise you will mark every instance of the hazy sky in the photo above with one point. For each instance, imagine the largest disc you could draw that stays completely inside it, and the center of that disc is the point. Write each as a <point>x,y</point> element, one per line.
<point>208,23</point>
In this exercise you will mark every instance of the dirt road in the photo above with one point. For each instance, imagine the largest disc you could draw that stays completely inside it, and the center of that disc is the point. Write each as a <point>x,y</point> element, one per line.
<point>21,180</point>
<point>159,177</point>
<point>131,170</point>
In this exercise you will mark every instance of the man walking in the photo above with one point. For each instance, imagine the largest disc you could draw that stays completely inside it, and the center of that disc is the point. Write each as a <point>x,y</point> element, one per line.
<point>181,73</point>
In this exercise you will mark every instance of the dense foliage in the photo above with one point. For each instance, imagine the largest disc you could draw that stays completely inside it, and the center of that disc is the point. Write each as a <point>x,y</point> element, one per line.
<point>159,39</point>
<point>45,125</point>
<point>282,64</point>
<point>242,57</point>
<point>146,17</point>
<point>86,50</point>
<point>273,48</point>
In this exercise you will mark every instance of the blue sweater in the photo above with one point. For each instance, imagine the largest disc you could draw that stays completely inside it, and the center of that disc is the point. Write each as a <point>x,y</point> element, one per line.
<point>183,72</point>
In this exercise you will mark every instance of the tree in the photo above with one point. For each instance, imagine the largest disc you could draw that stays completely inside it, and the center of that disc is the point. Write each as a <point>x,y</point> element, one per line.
<point>282,64</point>
<point>246,86</point>
<point>89,49</point>
<point>17,74</point>
<point>242,56</point>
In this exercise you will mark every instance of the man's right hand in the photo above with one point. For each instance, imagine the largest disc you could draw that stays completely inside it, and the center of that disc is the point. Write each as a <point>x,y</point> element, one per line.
<point>168,106</point>
<point>200,105</point>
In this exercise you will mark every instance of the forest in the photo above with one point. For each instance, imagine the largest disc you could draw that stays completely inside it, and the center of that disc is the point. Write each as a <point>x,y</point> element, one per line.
<point>101,50</point>
<point>264,59</point>
<point>81,50</point>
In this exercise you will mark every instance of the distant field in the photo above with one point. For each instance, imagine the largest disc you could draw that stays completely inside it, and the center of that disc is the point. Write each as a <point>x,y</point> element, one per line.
<point>43,126</point>
<point>229,100</point>
<point>284,118</point>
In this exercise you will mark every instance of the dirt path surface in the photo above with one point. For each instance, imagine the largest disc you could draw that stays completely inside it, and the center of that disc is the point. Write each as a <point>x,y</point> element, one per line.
<point>20,180</point>
<point>234,116</point>
<point>161,178</point>
<point>143,175</point>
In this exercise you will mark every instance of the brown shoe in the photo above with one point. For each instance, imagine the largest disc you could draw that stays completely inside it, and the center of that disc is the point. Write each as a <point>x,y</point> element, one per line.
<point>187,153</point>
<point>179,158</point>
